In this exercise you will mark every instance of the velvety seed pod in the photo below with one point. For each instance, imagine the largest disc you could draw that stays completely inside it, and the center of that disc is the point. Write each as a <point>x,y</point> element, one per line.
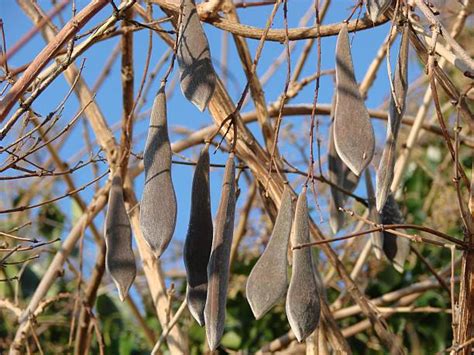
<point>386,167</point>
<point>197,247</point>
<point>396,248</point>
<point>353,132</point>
<point>341,175</point>
<point>376,8</point>
<point>119,258</point>
<point>198,78</point>
<point>302,300</point>
<point>158,205</point>
<point>268,280</point>
<point>374,216</point>
<point>218,267</point>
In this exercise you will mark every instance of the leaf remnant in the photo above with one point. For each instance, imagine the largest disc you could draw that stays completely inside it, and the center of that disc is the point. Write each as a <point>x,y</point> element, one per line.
<point>376,8</point>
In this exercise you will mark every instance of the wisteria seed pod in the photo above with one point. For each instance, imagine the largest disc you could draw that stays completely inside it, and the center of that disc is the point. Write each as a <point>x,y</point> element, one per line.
<point>341,175</point>
<point>374,216</point>
<point>353,132</point>
<point>218,267</point>
<point>268,280</point>
<point>396,248</point>
<point>396,110</point>
<point>198,78</point>
<point>197,247</point>
<point>302,300</point>
<point>119,257</point>
<point>158,206</point>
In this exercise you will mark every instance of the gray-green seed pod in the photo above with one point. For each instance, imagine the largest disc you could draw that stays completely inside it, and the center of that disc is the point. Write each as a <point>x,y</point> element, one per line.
<point>119,258</point>
<point>396,249</point>
<point>376,237</point>
<point>197,247</point>
<point>353,132</point>
<point>302,301</point>
<point>386,166</point>
<point>198,78</point>
<point>341,175</point>
<point>268,280</point>
<point>218,267</point>
<point>158,206</point>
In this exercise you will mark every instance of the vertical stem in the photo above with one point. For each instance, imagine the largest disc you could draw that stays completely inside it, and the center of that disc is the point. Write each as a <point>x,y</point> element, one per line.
<point>127,92</point>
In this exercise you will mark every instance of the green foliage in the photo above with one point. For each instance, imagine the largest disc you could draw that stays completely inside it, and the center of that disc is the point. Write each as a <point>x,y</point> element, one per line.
<point>29,281</point>
<point>50,221</point>
<point>119,328</point>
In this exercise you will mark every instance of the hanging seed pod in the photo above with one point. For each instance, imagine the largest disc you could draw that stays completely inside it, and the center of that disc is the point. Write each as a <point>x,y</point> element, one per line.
<point>395,114</point>
<point>268,280</point>
<point>218,267</point>
<point>353,132</point>
<point>396,249</point>
<point>158,205</point>
<point>376,8</point>
<point>197,247</point>
<point>198,79</point>
<point>119,257</point>
<point>302,300</point>
<point>342,176</point>
<point>335,171</point>
<point>376,237</point>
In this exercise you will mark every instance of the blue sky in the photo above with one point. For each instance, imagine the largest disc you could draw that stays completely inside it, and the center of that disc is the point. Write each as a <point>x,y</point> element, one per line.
<point>181,112</point>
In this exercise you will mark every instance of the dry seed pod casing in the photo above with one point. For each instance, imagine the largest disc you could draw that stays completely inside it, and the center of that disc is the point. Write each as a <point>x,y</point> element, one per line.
<point>396,248</point>
<point>374,216</point>
<point>376,8</point>
<point>268,280</point>
<point>119,257</point>
<point>341,175</point>
<point>197,247</point>
<point>158,206</point>
<point>197,75</point>
<point>396,110</point>
<point>302,300</point>
<point>218,267</point>
<point>353,132</point>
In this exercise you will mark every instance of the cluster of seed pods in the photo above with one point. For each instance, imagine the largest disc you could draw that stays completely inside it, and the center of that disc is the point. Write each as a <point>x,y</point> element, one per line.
<point>352,144</point>
<point>158,220</point>
<point>207,247</point>
<point>268,281</point>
